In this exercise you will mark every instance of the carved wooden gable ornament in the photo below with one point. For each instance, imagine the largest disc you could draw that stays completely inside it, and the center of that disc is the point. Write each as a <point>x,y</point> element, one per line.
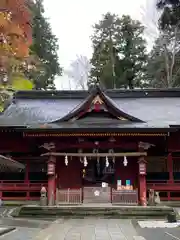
<point>97,104</point>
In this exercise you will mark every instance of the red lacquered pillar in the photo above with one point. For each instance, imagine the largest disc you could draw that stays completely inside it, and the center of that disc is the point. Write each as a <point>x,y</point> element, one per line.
<point>51,180</point>
<point>170,168</point>
<point>142,181</point>
<point>27,172</point>
<point>27,179</point>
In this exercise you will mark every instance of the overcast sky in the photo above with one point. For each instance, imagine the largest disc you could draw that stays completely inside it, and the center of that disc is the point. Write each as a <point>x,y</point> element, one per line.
<point>72,21</point>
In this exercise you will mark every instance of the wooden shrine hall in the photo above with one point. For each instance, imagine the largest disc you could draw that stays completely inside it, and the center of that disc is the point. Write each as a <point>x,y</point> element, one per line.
<point>97,146</point>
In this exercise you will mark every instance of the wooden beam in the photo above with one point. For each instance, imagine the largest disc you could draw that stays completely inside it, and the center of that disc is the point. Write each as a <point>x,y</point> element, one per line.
<point>127,154</point>
<point>102,145</point>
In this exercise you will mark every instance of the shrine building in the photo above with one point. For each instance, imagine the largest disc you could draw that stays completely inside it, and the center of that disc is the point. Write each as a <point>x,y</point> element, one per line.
<point>97,146</point>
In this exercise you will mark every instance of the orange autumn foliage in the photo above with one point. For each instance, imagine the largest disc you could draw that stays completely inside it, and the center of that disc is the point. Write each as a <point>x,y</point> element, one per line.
<point>15,30</point>
<point>20,15</point>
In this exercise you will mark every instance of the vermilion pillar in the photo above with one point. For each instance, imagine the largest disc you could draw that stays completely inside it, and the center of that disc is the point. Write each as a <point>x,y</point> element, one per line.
<point>51,180</point>
<point>142,181</point>
<point>170,168</point>
<point>27,178</point>
<point>27,171</point>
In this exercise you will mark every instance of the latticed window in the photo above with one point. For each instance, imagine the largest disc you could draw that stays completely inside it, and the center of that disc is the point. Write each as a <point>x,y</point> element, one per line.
<point>176,164</point>
<point>37,167</point>
<point>157,164</point>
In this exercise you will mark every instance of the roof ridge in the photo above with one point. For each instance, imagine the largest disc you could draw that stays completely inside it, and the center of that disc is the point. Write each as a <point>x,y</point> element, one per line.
<point>112,93</point>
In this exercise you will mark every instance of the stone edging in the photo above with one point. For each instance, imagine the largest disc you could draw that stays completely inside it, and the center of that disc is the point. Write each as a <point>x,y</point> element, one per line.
<point>6,230</point>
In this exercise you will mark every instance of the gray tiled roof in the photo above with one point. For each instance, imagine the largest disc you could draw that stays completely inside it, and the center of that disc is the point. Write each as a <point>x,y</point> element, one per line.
<point>155,111</point>
<point>30,111</point>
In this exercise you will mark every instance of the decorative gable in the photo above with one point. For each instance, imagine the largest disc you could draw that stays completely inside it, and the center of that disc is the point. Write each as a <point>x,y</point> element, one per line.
<point>98,108</point>
<point>98,105</point>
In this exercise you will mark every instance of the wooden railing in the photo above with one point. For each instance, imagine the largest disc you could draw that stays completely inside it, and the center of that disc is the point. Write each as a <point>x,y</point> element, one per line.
<point>21,185</point>
<point>69,196</point>
<point>22,181</point>
<point>164,185</point>
<point>74,196</point>
<point>24,188</point>
<point>20,199</point>
<point>125,197</point>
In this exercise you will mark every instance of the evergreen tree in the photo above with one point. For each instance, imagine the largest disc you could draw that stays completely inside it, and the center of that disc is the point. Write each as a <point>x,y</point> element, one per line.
<point>45,47</point>
<point>170,13</point>
<point>119,55</point>
<point>163,69</point>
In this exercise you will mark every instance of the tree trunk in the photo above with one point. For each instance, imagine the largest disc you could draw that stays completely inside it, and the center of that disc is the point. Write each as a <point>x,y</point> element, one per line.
<point>130,83</point>
<point>112,61</point>
<point>173,56</point>
<point>168,82</point>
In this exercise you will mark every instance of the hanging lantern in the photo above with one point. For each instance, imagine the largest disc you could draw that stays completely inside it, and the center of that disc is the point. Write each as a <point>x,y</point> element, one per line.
<point>107,162</point>
<point>66,160</point>
<point>125,162</point>
<point>85,161</point>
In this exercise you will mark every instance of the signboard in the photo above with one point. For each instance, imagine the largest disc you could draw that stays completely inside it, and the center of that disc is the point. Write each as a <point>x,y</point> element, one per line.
<point>119,184</point>
<point>128,182</point>
<point>104,184</point>
<point>51,169</point>
<point>142,168</point>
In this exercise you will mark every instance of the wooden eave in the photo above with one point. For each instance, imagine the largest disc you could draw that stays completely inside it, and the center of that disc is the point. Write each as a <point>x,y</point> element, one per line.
<point>44,133</point>
<point>10,164</point>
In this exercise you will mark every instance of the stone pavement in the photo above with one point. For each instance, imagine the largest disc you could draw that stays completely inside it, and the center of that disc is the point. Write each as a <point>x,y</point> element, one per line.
<point>160,233</point>
<point>90,229</point>
<point>158,224</point>
<point>25,229</point>
<point>21,234</point>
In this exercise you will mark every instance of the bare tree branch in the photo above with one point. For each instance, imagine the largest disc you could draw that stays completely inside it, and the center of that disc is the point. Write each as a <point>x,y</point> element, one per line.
<point>79,71</point>
<point>150,17</point>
